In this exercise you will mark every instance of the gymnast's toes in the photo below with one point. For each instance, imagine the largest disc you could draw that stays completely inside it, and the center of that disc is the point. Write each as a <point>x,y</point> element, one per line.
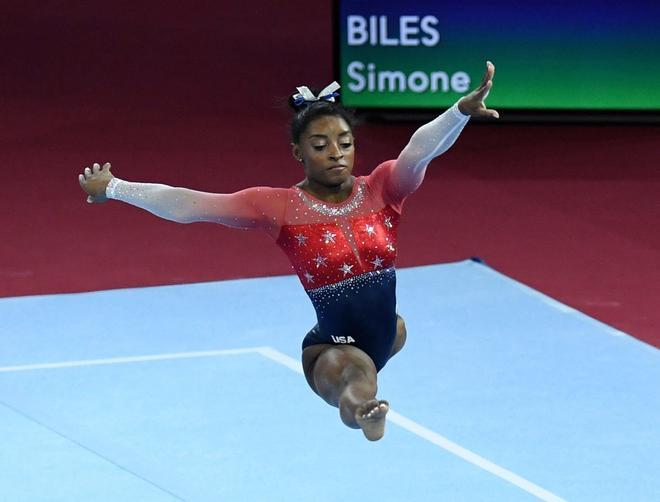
<point>370,416</point>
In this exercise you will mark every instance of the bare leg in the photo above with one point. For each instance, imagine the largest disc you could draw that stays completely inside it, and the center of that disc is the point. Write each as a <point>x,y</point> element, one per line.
<point>345,377</point>
<point>401,335</point>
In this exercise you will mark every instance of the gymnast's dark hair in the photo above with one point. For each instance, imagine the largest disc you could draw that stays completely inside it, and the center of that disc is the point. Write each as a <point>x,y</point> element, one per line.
<point>309,111</point>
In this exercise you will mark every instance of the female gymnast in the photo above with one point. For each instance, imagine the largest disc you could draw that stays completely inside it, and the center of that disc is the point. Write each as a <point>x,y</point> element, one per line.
<point>339,232</point>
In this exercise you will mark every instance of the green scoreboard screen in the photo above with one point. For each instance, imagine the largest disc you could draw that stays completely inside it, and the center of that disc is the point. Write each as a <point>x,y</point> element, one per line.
<point>586,56</point>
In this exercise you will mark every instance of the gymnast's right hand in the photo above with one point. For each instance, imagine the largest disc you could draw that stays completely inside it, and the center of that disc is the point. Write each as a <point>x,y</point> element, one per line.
<point>93,181</point>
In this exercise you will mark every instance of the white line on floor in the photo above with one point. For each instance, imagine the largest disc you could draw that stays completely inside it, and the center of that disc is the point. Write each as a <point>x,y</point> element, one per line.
<point>436,439</point>
<point>295,365</point>
<point>124,360</point>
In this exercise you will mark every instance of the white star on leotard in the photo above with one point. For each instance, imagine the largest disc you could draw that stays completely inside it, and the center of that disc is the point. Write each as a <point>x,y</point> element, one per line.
<point>302,239</point>
<point>370,229</point>
<point>309,277</point>
<point>329,237</point>
<point>347,269</point>
<point>377,263</point>
<point>320,261</point>
<point>388,222</point>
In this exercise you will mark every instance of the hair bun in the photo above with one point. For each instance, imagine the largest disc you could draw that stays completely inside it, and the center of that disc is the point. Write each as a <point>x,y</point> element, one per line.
<point>296,104</point>
<point>306,96</point>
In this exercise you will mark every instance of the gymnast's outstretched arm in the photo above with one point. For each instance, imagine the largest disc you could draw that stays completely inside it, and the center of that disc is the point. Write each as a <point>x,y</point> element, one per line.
<point>256,207</point>
<point>439,135</point>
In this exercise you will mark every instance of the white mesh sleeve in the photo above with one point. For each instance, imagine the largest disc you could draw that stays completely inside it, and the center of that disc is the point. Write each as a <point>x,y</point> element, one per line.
<point>245,209</point>
<point>426,143</point>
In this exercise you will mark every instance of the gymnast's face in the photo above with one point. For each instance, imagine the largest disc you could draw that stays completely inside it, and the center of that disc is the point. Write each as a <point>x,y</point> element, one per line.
<point>327,150</point>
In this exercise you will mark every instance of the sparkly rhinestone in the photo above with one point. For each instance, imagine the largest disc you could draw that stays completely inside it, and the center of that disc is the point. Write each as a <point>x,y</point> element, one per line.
<point>329,237</point>
<point>329,210</point>
<point>302,239</point>
<point>325,293</point>
<point>347,269</point>
<point>377,263</point>
<point>320,261</point>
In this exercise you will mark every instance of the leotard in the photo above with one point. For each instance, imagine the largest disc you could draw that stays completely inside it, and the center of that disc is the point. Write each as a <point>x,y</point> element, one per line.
<point>343,253</point>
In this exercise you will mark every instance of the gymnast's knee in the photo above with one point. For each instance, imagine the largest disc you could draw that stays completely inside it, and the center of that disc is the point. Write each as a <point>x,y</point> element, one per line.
<point>345,363</point>
<point>401,335</point>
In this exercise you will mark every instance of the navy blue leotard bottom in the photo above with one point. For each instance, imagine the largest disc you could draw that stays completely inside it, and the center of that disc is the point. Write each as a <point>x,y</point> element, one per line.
<point>360,311</point>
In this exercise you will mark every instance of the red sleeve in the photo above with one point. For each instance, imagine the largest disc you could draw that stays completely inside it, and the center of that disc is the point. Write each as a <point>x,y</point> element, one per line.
<point>381,181</point>
<point>257,207</point>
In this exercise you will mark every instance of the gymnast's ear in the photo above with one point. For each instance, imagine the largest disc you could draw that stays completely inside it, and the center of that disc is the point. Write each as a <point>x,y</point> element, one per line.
<point>295,151</point>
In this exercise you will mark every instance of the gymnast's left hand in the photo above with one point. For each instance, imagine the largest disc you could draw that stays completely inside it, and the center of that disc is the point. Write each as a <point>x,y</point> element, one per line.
<point>94,181</point>
<point>473,104</point>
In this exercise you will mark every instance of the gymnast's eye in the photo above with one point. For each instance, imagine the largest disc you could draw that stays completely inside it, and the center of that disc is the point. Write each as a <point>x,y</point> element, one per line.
<point>346,145</point>
<point>318,148</point>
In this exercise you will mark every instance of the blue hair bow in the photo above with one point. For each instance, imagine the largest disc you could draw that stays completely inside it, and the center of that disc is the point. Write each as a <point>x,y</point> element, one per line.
<point>304,95</point>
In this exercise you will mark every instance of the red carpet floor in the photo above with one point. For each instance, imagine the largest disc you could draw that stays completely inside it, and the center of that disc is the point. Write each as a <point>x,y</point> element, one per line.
<point>570,210</point>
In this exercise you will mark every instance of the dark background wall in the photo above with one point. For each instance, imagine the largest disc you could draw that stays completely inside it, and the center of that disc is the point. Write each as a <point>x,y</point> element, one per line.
<point>193,95</point>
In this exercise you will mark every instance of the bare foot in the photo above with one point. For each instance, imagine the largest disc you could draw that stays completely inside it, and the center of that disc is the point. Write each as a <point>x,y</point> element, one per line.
<point>370,416</point>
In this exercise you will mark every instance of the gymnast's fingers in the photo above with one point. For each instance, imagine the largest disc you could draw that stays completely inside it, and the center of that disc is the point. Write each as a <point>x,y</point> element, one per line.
<point>493,114</point>
<point>488,74</point>
<point>483,91</point>
<point>491,69</point>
